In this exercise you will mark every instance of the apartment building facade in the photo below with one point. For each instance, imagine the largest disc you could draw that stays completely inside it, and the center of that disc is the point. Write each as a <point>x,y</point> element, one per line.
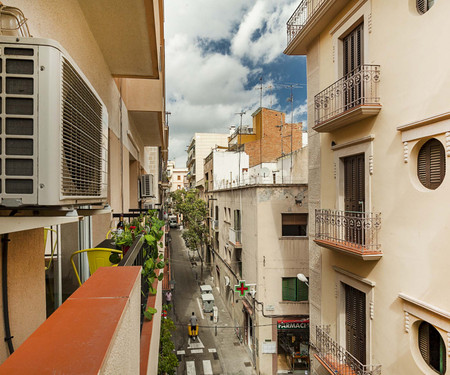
<point>379,145</point>
<point>259,237</point>
<point>82,53</point>
<point>176,177</point>
<point>199,147</point>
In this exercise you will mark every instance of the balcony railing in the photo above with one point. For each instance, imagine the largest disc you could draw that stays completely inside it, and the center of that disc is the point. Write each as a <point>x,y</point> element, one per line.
<point>357,88</point>
<point>235,237</point>
<point>301,16</point>
<point>339,360</point>
<point>352,232</point>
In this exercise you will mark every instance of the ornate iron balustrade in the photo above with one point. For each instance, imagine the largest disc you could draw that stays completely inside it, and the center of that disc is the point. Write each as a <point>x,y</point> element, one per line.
<point>359,87</point>
<point>340,360</point>
<point>354,230</point>
<point>301,16</point>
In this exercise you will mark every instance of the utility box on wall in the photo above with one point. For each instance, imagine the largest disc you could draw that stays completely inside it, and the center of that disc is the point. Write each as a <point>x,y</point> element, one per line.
<point>53,128</point>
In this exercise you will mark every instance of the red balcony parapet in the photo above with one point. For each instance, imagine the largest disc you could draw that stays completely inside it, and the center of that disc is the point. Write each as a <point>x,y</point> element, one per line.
<point>81,335</point>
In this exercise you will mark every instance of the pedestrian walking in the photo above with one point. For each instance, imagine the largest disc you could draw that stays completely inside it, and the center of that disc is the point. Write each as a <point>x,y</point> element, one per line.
<point>168,297</point>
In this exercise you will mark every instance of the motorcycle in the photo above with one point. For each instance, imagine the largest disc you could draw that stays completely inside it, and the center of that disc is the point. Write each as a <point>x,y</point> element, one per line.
<point>193,331</point>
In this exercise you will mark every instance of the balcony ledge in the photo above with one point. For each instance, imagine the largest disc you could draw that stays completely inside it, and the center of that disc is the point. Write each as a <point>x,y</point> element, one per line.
<point>237,245</point>
<point>348,117</point>
<point>316,23</point>
<point>351,250</point>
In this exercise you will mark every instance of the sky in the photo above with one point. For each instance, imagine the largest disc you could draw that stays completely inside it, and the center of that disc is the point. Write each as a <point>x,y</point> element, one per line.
<point>218,54</point>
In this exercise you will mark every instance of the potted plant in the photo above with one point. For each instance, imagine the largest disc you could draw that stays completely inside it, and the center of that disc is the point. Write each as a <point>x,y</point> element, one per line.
<point>123,240</point>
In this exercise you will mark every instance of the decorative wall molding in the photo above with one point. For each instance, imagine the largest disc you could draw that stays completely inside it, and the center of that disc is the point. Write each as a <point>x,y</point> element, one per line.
<point>405,152</point>
<point>354,276</point>
<point>427,127</point>
<point>371,307</point>
<point>447,143</point>
<point>371,165</point>
<point>368,138</point>
<point>407,323</point>
<point>369,23</point>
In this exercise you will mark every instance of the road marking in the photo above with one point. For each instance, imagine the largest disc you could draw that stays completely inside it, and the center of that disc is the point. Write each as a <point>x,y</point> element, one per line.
<point>190,368</point>
<point>195,345</point>
<point>207,369</point>
<point>200,308</point>
<point>196,351</point>
<point>212,350</point>
<point>179,352</point>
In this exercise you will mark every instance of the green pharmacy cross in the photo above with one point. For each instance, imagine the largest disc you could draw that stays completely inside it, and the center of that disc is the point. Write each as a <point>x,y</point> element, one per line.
<point>241,288</point>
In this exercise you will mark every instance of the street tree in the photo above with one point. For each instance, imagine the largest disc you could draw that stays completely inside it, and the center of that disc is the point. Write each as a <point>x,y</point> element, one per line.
<point>194,212</point>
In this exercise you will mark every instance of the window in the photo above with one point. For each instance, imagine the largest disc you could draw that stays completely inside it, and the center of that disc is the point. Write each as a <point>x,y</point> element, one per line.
<point>237,220</point>
<point>432,347</point>
<point>431,164</point>
<point>294,289</point>
<point>294,224</point>
<point>424,5</point>
<point>178,178</point>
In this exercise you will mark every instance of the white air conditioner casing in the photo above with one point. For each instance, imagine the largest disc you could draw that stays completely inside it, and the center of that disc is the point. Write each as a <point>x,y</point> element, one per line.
<point>147,186</point>
<point>54,128</point>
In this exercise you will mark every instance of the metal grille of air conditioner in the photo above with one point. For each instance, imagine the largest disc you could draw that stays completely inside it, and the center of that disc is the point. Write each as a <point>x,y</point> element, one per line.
<point>18,113</point>
<point>81,136</point>
<point>146,185</point>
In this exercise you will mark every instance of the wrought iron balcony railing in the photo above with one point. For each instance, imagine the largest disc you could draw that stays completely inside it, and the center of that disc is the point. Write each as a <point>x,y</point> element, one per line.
<point>339,360</point>
<point>356,232</point>
<point>301,16</point>
<point>357,88</point>
<point>235,237</point>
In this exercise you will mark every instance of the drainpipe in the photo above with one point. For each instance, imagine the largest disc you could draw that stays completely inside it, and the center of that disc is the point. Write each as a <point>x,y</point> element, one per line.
<point>8,337</point>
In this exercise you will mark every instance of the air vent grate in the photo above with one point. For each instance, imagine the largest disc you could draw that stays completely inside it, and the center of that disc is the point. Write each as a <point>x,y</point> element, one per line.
<point>81,137</point>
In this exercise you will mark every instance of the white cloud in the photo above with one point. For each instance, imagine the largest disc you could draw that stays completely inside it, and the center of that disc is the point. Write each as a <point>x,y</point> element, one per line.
<point>207,87</point>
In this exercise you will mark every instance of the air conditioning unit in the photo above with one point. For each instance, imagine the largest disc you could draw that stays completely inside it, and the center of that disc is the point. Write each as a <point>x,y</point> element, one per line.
<point>53,130</point>
<point>147,186</point>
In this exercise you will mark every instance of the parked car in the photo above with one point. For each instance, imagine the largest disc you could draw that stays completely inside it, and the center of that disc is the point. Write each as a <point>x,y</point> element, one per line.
<point>173,223</point>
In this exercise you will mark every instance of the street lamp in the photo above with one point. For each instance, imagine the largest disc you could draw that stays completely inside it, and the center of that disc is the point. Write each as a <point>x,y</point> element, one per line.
<point>303,278</point>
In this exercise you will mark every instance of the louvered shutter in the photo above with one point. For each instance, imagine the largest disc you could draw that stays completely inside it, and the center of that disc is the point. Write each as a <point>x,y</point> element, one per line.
<point>355,323</point>
<point>431,164</point>
<point>302,291</point>
<point>289,289</point>
<point>424,341</point>
<point>421,6</point>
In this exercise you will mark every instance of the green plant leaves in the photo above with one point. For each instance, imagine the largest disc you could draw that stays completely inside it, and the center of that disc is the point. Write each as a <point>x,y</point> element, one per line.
<point>150,312</point>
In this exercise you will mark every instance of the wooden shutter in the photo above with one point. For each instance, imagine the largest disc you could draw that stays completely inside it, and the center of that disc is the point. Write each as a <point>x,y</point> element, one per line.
<point>289,292</point>
<point>294,219</point>
<point>424,341</point>
<point>431,164</point>
<point>354,183</point>
<point>353,49</point>
<point>421,6</point>
<point>355,323</point>
<point>302,290</point>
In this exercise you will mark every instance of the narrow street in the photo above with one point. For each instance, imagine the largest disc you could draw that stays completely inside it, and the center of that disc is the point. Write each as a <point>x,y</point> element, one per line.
<point>211,353</point>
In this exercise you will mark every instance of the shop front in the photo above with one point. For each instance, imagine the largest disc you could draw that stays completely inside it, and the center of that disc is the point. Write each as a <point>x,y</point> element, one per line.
<point>293,345</point>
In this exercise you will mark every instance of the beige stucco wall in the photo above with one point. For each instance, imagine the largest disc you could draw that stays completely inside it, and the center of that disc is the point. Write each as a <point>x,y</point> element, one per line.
<point>415,221</point>
<point>26,287</point>
<point>266,256</point>
<point>124,350</point>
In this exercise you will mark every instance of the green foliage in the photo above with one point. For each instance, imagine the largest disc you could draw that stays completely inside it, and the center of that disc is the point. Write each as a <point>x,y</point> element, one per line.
<point>195,212</point>
<point>123,238</point>
<point>168,361</point>
<point>149,313</point>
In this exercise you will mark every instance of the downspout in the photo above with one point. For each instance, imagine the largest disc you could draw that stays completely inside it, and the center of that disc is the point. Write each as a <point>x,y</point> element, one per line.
<point>8,337</point>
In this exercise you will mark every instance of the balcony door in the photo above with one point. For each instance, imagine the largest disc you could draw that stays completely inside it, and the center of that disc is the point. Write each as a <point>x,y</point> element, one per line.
<point>354,198</point>
<point>353,59</point>
<point>355,323</point>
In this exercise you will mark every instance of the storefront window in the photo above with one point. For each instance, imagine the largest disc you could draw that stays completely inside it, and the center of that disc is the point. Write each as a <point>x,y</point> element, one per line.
<point>293,345</point>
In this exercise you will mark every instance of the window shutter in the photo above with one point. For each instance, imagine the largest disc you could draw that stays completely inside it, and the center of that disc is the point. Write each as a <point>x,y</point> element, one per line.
<point>289,289</point>
<point>421,6</point>
<point>294,219</point>
<point>302,289</point>
<point>424,342</point>
<point>431,164</point>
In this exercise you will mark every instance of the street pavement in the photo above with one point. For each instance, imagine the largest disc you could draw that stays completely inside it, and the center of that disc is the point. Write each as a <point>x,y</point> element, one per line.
<point>215,351</point>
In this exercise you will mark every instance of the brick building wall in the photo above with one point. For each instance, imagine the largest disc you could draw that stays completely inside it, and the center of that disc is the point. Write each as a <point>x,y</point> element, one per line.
<point>273,139</point>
